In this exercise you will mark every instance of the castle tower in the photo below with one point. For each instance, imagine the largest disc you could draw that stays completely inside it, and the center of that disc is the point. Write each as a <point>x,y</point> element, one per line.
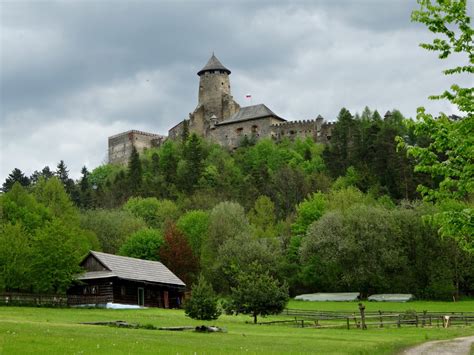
<point>215,102</point>
<point>214,83</point>
<point>214,91</point>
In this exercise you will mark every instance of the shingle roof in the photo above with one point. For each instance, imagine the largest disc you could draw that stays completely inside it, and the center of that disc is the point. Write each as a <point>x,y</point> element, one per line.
<point>213,64</point>
<point>250,113</point>
<point>133,269</point>
<point>96,275</point>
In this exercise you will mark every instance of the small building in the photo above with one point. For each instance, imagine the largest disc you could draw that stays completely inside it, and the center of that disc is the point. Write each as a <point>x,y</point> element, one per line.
<point>125,280</point>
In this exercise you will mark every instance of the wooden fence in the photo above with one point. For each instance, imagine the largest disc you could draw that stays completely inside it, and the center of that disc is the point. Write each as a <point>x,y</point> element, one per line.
<point>380,319</point>
<point>32,299</point>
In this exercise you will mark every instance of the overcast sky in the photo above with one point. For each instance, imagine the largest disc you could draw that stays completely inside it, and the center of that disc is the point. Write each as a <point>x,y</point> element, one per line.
<point>75,72</point>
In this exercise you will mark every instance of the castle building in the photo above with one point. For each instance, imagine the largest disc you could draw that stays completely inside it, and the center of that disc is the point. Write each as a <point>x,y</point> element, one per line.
<point>220,118</point>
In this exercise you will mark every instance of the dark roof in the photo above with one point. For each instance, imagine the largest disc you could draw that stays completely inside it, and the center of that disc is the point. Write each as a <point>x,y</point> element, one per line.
<point>250,113</point>
<point>213,64</point>
<point>132,269</point>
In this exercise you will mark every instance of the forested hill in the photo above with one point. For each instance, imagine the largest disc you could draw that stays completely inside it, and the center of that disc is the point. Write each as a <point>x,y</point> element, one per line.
<point>342,217</point>
<point>199,174</point>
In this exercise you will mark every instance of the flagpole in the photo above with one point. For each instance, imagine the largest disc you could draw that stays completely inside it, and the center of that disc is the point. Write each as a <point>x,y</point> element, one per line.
<point>248,96</point>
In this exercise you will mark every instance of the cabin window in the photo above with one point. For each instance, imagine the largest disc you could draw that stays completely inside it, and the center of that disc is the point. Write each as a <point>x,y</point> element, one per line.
<point>90,290</point>
<point>122,291</point>
<point>239,131</point>
<point>254,129</point>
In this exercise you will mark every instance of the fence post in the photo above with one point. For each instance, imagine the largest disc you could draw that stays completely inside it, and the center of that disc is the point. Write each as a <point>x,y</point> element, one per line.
<point>423,322</point>
<point>416,317</point>
<point>381,319</point>
<point>362,315</point>
<point>399,324</point>
<point>348,323</point>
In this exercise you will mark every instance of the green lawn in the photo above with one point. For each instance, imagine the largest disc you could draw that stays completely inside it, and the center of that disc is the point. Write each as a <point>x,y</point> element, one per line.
<point>434,306</point>
<point>57,331</point>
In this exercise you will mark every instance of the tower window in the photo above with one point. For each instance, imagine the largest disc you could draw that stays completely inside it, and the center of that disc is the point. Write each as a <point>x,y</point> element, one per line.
<point>239,131</point>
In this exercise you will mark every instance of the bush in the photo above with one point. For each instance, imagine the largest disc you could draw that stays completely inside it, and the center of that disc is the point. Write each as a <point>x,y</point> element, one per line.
<point>144,244</point>
<point>203,304</point>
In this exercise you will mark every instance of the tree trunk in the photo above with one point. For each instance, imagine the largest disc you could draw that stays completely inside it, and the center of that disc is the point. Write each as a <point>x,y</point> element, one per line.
<point>254,318</point>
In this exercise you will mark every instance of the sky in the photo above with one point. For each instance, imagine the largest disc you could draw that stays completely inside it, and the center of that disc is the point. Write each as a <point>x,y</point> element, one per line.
<point>73,73</point>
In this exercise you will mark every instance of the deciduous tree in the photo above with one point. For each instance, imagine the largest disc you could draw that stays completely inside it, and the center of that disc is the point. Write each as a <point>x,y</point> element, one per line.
<point>177,255</point>
<point>143,244</point>
<point>258,293</point>
<point>449,157</point>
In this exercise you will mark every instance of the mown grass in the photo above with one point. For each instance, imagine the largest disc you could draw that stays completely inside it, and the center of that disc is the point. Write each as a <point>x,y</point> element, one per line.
<point>419,306</point>
<point>27,330</point>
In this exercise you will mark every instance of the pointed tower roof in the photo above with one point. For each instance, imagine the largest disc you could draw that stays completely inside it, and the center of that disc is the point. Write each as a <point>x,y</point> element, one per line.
<point>213,64</point>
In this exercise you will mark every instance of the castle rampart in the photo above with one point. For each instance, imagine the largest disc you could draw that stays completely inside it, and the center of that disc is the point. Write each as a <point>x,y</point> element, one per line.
<point>120,145</point>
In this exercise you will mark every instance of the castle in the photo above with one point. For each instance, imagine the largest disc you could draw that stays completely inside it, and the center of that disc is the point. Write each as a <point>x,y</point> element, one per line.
<point>220,118</point>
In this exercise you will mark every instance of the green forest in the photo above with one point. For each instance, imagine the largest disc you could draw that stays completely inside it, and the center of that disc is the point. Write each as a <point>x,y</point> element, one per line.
<point>386,207</point>
<point>348,216</point>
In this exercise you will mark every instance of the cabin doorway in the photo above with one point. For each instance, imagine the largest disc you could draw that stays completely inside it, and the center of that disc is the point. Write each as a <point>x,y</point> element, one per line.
<point>141,296</point>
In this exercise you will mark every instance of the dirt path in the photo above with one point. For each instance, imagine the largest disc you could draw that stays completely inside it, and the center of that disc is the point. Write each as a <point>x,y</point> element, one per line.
<point>458,346</point>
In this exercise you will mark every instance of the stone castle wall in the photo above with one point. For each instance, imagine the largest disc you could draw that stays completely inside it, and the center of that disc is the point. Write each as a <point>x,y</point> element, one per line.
<point>120,145</point>
<point>293,129</point>
<point>231,134</point>
<point>318,130</point>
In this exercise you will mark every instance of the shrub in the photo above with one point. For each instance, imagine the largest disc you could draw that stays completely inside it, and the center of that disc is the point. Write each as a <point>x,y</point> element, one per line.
<point>203,304</point>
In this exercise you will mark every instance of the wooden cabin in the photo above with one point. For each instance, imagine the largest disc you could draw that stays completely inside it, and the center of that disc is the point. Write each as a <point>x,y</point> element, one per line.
<point>124,280</point>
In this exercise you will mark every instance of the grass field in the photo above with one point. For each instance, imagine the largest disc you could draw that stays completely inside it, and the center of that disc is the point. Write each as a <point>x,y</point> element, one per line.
<point>25,330</point>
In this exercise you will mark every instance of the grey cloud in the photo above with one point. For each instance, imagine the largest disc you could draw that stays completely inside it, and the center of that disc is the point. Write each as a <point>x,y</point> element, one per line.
<point>73,72</point>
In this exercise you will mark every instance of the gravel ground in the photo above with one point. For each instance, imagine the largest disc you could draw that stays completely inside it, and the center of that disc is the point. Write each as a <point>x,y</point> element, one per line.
<point>458,346</point>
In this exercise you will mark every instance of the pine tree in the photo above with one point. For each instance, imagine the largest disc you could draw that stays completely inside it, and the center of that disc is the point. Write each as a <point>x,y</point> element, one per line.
<point>185,132</point>
<point>338,156</point>
<point>193,154</point>
<point>85,189</point>
<point>15,176</point>
<point>46,173</point>
<point>155,164</point>
<point>203,303</point>
<point>63,175</point>
<point>135,172</point>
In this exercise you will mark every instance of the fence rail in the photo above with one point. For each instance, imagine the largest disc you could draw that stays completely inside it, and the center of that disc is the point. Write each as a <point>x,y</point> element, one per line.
<point>379,319</point>
<point>33,299</point>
